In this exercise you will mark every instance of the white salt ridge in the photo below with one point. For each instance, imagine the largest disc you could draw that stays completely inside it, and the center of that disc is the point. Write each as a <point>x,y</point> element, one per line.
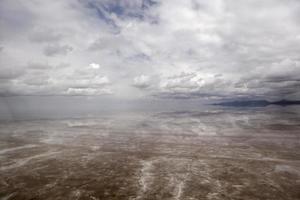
<point>286,168</point>
<point>180,184</point>
<point>179,190</point>
<point>8,196</point>
<point>145,178</point>
<point>146,174</point>
<point>21,162</point>
<point>3,151</point>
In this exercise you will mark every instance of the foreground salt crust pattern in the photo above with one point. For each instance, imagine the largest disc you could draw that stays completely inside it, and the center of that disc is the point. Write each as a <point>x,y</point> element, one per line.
<point>176,155</point>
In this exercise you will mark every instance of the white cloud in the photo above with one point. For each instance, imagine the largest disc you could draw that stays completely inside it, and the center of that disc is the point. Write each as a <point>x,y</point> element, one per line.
<point>88,91</point>
<point>94,66</point>
<point>190,49</point>
<point>141,81</point>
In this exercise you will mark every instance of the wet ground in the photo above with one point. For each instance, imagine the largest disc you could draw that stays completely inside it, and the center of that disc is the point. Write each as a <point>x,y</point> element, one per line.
<point>216,155</point>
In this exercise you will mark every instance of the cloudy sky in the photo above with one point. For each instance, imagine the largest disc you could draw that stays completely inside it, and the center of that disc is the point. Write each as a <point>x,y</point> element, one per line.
<point>165,49</point>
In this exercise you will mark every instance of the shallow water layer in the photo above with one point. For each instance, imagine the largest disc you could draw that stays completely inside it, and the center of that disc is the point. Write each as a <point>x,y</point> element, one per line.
<point>188,155</point>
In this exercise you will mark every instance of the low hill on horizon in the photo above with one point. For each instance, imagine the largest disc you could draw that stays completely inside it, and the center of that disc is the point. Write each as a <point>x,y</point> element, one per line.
<point>258,103</point>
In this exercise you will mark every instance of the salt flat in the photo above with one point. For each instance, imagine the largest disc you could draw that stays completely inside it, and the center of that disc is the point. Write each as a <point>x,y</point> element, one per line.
<point>210,154</point>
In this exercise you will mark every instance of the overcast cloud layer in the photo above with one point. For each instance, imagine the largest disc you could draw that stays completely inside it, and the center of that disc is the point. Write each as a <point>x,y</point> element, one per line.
<point>151,48</point>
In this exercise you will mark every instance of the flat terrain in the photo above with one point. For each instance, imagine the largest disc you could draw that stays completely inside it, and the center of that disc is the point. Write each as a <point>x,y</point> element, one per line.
<point>214,155</point>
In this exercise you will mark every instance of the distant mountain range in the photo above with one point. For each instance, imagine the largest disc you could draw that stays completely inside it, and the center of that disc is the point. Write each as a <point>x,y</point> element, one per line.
<point>257,103</point>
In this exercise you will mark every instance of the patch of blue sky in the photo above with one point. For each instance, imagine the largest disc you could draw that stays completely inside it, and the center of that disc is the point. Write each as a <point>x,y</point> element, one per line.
<point>121,10</point>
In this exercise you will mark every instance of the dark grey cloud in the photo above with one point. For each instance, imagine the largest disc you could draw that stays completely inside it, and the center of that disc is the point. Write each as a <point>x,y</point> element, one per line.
<point>37,80</point>
<point>45,35</point>
<point>38,66</point>
<point>56,49</point>
<point>8,73</point>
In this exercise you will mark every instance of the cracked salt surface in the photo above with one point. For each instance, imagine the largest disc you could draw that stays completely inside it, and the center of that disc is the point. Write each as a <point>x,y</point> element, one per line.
<point>165,156</point>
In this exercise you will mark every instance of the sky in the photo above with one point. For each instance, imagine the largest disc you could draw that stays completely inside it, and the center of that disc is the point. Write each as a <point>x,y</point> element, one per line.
<point>150,49</point>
